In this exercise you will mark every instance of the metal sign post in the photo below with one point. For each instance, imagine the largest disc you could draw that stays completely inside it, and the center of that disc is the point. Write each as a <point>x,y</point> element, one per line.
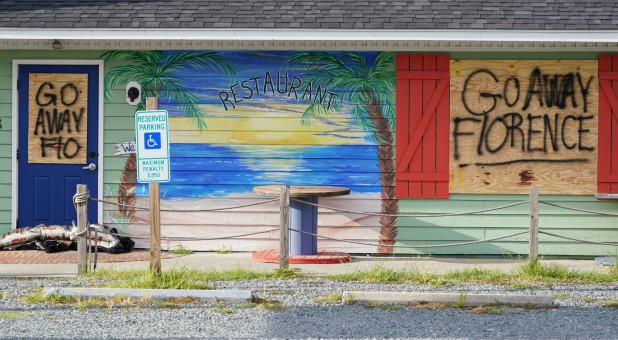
<point>153,167</point>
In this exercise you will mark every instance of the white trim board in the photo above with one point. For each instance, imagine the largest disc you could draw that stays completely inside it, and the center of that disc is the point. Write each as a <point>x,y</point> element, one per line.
<point>303,39</point>
<point>15,126</point>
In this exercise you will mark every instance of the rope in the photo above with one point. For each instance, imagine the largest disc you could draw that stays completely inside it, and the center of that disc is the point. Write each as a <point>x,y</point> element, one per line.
<point>220,209</point>
<point>411,247</point>
<point>577,209</point>
<point>80,198</point>
<point>413,215</point>
<point>118,204</point>
<point>188,210</point>
<point>189,238</point>
<point>578,240</point>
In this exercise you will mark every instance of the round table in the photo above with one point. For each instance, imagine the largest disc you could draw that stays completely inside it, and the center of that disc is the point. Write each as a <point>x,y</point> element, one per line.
<point>303,216</point>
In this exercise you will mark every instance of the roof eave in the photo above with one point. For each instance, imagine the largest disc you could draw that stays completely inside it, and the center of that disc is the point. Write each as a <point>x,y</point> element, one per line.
<point>479,40</point>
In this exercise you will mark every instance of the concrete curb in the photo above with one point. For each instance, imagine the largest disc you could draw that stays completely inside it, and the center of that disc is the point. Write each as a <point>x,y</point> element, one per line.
<point>158,294</point>
<point>466,300</point>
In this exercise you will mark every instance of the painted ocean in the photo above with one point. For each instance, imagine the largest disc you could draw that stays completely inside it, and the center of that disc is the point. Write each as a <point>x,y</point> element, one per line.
<point>216,170</point>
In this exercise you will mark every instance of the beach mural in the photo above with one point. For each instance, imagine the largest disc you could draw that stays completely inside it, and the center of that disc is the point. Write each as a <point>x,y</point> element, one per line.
<point>240,119</point>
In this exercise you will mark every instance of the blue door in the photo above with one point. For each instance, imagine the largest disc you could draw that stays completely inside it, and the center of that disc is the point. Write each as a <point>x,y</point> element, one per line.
<point>57,141</point>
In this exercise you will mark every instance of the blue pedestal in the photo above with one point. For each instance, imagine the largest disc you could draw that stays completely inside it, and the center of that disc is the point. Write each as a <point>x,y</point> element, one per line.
<point>303,217</point>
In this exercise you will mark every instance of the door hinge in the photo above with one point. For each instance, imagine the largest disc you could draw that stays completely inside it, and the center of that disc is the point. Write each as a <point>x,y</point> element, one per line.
<point>17,84</point>
<point>17,154</point>
<point>17,223</point>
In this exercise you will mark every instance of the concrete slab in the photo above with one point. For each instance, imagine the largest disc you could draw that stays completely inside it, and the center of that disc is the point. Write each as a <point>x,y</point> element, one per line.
<point>466,300</point>
<point>158,294</point>
<point>213,261</point>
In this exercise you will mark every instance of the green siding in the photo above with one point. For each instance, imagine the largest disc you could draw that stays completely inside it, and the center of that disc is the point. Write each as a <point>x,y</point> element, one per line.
<point>118,127</point>
<point>6,93</point>
<point>456,229</point>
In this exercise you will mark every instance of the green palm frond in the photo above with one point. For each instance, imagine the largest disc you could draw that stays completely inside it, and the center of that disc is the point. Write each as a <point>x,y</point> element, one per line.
<point>358,82</point>
<point>154,70</point>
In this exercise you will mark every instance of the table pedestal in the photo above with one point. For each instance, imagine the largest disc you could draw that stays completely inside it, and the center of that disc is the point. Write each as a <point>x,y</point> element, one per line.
<point>303,217</point>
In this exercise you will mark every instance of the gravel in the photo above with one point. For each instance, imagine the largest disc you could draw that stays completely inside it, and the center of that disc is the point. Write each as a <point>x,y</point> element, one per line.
<point>579,312</point>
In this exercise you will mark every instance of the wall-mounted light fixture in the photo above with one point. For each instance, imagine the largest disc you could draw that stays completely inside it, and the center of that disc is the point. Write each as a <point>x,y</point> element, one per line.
<point>57,44</point>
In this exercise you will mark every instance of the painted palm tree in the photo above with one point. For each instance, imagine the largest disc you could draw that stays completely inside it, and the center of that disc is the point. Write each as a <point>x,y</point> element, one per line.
<point>156,73</point>
<point>366,85</point>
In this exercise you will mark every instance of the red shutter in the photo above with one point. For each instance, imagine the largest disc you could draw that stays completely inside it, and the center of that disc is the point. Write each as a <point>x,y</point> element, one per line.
<point>608,124</point>
<point>422,126</point>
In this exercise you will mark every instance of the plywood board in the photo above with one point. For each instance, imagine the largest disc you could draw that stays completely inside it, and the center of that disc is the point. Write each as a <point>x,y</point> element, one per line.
<point>57,118</point>
<point>521,123</point>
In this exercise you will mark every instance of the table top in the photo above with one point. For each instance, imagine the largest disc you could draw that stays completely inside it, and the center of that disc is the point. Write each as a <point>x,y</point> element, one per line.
<point>302,190</point>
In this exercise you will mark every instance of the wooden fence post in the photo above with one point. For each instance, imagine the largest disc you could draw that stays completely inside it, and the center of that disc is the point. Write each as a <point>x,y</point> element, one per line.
<point>284,238</point>
<point>154,211</point>
<point>534,225</point>
<point>82,225</point>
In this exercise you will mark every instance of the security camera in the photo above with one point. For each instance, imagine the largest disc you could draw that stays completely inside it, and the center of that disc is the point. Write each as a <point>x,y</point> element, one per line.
<point>134,93</point>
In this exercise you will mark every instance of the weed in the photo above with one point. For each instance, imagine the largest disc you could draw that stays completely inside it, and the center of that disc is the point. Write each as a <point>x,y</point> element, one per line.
<point>12,315</point>
<point>268,304</point>
<point>461,301</point>
<point>561,296</point>
<point>165,304</point>
<point>382,306</point>
<point>379,274</point>
<point>5,295</point>
<point>490,309</point>
<point>223,310</point>
<point>613,304</point>
<point>181,251</point>
<point>290,273</point>
<point>247,304</point>
<point>429,305</point>
<point>281,292</point>
<point>521,286</point>
<point>348,299</point>
<point>224,250</point>
<point>39,297</point>
<point>587,299</point>
<point>330,298</point>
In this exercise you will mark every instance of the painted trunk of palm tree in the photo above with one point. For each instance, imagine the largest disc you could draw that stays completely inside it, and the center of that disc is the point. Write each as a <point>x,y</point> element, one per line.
<point>367,86</point>
<point>154,70</point>
<point>386,164</point>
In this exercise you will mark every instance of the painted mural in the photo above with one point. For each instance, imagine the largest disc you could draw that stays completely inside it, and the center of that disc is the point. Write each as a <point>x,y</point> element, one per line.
<point>241,119</point>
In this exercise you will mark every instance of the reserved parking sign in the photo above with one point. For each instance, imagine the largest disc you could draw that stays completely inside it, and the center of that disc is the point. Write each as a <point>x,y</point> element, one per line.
<point>152,146</point>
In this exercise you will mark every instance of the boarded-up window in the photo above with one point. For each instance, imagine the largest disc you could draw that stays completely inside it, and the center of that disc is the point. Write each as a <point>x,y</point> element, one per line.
<point>522,123</point>
<point>57,118</point>
<point>608,124</point>
<point>422,126</point>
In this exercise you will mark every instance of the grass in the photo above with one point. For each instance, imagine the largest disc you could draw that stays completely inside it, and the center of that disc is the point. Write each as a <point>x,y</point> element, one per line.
<point>382,306</point>
<point>181,251</point>
<point>280,291</point>
<point>81,303</point>
<point>12,315</point>
<point>429,305</point>
<point>525,276</point>
<point>461,301</point>
<point>491,310</point>
<point>267,304</point>
<point>223,310</point>
<point>224,250</point>
<point>613,304</point>
<point>329,299</point>
<point>184,278</point>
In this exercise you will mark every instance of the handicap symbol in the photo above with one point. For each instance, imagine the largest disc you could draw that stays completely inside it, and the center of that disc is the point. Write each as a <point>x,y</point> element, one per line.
<point>152,140</point>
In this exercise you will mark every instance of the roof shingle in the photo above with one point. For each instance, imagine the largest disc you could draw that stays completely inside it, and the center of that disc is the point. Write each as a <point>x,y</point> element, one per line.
<point>294,14</point>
